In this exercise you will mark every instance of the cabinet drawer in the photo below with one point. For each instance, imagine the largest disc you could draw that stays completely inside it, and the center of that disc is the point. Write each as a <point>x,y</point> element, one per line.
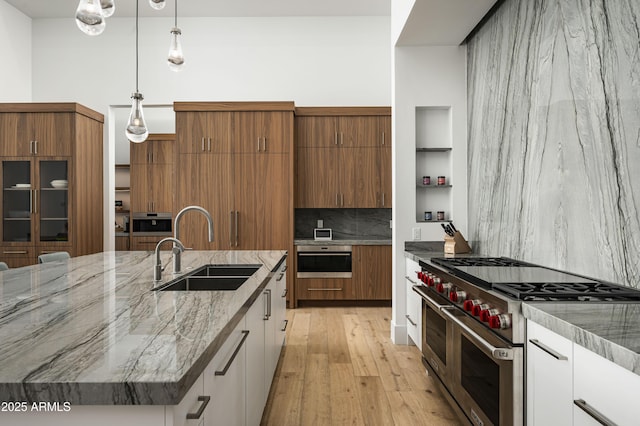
<point>148,243</point>
<point>323,288</point>
<point>605,387</point>
<point>17,257</point>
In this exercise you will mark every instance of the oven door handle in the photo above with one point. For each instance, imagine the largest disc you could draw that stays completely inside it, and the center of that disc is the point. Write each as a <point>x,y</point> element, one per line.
<point>330,253</point>
<point>500,354</point>
<point>435,305</point>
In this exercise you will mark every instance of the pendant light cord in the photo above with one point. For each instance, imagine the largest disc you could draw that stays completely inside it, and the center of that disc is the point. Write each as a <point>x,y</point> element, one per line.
<point>137,91</point>
<point>176,20</point>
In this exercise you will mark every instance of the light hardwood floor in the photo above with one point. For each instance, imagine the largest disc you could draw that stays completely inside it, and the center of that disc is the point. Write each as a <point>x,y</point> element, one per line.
<point>339,367</point>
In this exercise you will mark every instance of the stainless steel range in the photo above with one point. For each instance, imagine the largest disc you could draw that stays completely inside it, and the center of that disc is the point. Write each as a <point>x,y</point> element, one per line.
<point>474,332</point>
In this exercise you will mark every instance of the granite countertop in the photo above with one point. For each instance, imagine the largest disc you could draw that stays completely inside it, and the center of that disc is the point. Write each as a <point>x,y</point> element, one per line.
<point>364,241</point>
<point>612,330</point>
<point>90,330</point>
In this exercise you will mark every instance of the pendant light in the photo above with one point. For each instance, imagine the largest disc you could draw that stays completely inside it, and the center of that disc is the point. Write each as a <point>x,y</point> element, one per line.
<point>89,17</point>
<point>157,4</point>
<point>175,59</point>
<point>108,7</point>
<point>136,130</point>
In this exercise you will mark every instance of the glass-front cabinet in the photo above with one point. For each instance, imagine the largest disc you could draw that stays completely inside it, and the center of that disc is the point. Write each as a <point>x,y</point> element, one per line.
<point>35,206</point>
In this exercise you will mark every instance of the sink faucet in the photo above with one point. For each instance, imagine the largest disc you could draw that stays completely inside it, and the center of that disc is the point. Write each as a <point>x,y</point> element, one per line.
<point>177,266</point>
<point>157,266</point>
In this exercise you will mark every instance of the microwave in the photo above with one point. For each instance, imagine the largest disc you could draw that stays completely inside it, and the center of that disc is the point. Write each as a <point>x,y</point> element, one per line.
<point>152,222</point>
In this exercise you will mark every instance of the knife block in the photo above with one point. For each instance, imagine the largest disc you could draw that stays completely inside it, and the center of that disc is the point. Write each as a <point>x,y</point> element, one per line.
<point>456,244</point>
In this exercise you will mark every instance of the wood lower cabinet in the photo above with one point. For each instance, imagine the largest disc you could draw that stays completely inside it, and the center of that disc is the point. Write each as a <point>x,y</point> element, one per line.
<point>372,272</point>
<point>123,243</point>
<point>46,143</point>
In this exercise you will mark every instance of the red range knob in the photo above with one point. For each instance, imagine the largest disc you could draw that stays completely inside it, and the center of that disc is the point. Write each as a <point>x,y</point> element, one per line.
<point>486,314</point>
<point>477,309</point>
<point>469,304</point>
<point>458,296</point>
<point>501,321</point>
<point>420,274</point>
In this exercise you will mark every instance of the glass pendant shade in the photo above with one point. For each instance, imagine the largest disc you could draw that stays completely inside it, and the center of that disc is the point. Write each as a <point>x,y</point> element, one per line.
<point>136,130</point>
<point>89,17</point>
<point>108,7</point>
<point>175,59</point>
<point>157,4</point>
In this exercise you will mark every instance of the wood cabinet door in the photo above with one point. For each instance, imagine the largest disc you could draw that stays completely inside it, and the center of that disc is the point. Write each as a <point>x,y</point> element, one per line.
<point>317,178</point>
<point>323,289</point>
<point>206,180</point>
<point>319,132</point>
<point>199,132</point>
<point>152,187</point>
<point>266,132</point>
<point>384,129</point>
<point>139,153</point>
<point>14,141</point>
<point>276,128</point>
<point>372,272</point>
<point>262,201</point>
<point>122,243</point>
<point>140,184</point>
<point>347,164</point>
<point>53,132</point>
<point>368,178</point>
<point>162,151</point>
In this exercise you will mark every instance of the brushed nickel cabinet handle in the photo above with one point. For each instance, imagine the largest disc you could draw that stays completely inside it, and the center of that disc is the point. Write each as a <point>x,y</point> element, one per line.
<point>15,252</point>
<point>383,199</point>
<point>324,289</point>
<point>548,350</point>
<point>285,292</point>
<point>593,413</point>
<point>205,401</point>
<point>222,372</point>
<point>35,201</point>
<point>286,323</point>
<point>237,214</point>
<point>264,144</point>
<point>231,229</point>
<point>258,144</point>
<point>410,320</point>
<point>36,145</point>
<point>203,143</point>
<point>267,314</point>
<point>341,138</point>
<point>382,138</point>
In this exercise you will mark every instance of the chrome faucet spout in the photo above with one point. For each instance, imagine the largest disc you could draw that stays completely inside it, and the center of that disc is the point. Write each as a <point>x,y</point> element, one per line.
<point>176,231</point>
<point>157,266</point>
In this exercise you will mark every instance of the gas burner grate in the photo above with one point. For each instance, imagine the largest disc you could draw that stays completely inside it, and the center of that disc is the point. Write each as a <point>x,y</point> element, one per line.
<point>568,291</point>
<point>451,262</point>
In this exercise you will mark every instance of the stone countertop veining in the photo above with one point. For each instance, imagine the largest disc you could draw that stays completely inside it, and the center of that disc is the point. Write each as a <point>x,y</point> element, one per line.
<point>91,331</point>
<point>612,330</point>
<point>350,242</point>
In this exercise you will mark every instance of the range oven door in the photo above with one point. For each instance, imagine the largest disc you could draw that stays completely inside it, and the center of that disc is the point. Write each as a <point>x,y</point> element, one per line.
<point>490,388</point>
<point>437,345</point>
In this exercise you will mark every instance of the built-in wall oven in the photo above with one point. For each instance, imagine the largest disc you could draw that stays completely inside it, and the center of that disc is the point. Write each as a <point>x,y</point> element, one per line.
<point>315,261</point>
<point>151,223</point>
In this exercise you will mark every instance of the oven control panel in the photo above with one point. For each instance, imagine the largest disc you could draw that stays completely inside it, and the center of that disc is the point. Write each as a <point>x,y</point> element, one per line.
<point>475,301</point>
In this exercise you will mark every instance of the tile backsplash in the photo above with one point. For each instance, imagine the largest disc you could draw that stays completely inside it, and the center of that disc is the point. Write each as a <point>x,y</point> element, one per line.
<point>345,223</point>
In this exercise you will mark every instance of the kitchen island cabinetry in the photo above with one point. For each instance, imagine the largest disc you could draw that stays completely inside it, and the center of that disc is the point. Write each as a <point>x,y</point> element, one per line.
<point>343,157</point>
<point>414,304</point>
<point>152,174</point>
<point>45,143</point>
<point>161,355</point>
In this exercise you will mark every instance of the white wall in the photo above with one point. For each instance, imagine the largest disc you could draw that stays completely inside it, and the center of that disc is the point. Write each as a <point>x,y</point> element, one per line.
<point>313,61</point>
<point>15,45</point>
<point>433,76</point>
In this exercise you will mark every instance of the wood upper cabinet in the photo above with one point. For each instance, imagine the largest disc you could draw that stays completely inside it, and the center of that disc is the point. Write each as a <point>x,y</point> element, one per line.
<point>262,132</point>
<point>203,132</point>
<point>152,174</point>
<point>37,133</point>
<point>372,272</point>
<point>157,149</point>
<point>343,161</point>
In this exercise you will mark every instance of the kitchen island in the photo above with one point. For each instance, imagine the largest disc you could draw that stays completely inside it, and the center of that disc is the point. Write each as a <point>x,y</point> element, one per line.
<point>90,330</point>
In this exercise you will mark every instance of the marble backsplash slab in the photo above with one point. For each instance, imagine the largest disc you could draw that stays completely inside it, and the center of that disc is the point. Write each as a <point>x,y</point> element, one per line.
<point>554,139</point>
<point>345,223</point>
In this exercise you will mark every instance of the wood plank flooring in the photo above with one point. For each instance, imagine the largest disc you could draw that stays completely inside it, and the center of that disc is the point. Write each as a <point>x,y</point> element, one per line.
<point>339,367</point>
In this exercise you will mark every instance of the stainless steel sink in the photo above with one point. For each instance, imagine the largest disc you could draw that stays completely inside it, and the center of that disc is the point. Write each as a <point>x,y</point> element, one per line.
<point>212,278</point>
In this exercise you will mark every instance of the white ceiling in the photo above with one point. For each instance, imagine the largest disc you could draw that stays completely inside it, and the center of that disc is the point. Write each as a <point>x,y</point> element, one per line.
<point>209,8</point>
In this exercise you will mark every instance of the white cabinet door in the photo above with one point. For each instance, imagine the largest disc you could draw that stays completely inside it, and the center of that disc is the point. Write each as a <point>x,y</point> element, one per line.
<point>549,377</point>
<point>224,381</point>
<point>414,304</point>
<point>255,367</point>
<point>605,389</point>
<point>190,406</point>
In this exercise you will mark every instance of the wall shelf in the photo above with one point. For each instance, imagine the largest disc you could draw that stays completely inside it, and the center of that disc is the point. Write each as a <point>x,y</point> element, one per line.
<point>443,149</point>
<point>433,186</point>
